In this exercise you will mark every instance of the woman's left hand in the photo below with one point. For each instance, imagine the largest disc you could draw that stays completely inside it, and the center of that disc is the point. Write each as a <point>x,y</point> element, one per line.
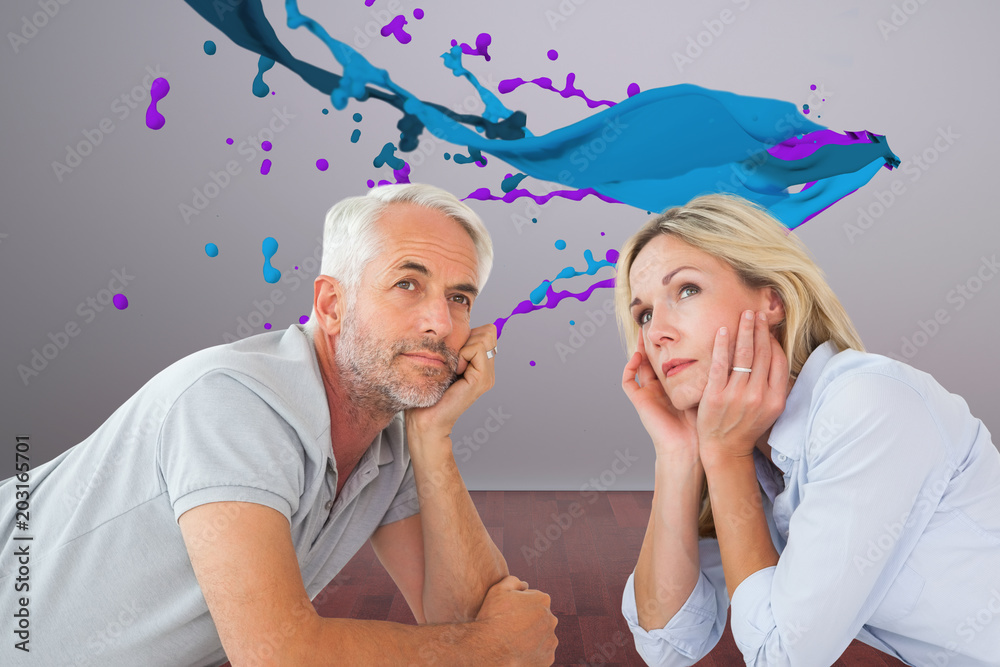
<point>738,407</point>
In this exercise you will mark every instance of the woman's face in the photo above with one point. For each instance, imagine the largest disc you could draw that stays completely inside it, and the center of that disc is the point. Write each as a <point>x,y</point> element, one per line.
<point>681,296</point>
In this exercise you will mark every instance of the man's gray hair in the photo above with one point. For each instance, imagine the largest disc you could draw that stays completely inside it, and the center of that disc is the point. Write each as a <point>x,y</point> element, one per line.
<point>351,240</point>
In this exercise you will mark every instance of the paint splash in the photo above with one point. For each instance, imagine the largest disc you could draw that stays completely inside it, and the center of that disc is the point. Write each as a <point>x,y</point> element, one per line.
<point>265,167</point>
<point>509,85</point>
<point>159,90</point>
<point>483,41</point>
<point>211,250</point>
<point>395,28</point>
<point>269,247</point>
<point>261,89</point>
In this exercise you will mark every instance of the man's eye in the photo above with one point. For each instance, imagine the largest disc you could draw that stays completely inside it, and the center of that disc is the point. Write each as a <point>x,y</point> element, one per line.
<point>461,298</point>
<point>405,283</point>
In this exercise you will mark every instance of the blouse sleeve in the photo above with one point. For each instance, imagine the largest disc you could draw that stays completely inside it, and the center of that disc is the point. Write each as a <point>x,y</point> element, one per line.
<point>696,627</point>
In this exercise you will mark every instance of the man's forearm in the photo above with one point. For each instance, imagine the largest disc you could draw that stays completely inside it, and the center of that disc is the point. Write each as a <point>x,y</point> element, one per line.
<point>461,562</point>
<point>344,641</point>
<point>744,539</point>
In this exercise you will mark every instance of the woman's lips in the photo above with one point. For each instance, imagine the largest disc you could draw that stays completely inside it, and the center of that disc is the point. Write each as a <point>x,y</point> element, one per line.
<point>678,368</point>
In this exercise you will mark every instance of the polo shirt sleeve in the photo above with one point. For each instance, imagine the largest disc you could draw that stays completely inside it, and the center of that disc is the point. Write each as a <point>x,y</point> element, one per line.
<point>696,627</point>
<point>406,503</point>
<point>874,454</point>
<point>221,441</point>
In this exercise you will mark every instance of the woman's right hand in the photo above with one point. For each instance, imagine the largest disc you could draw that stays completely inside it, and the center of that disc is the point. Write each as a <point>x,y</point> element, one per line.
<point>673,433</point>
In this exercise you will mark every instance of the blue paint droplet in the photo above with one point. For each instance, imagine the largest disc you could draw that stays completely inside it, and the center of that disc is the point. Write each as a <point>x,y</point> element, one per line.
<point>357,118</point>
<point>552,54</point>
<point>560,244</point>
<point>209,47</point>
<point>211,250</point>
<point>269,247</point>
<point>326,112</point>
<point>531,363</point>
<point>534,219</point>
<point>120,301</point>
<point>355,135</point>
<point>267,325</point>
<point>322,165</point>
<point>447,156</point>
<point>538,293</point>
<point>303,319</point>
<point>572,322</point>
<point>261,89</point>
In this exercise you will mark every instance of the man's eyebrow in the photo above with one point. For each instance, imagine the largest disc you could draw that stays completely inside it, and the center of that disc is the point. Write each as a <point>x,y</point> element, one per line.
<point>666,281</point>
<point>421,269</point>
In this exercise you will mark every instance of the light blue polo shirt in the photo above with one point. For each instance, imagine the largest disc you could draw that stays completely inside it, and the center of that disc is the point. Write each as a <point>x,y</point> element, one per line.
<point>110,578</point>
<point>886,516</point>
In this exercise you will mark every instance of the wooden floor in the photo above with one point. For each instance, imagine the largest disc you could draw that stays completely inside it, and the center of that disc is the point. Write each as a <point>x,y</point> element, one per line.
<point>581,562</point>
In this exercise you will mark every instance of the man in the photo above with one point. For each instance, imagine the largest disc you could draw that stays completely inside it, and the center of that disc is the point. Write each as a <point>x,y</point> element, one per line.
<point>196,524</point>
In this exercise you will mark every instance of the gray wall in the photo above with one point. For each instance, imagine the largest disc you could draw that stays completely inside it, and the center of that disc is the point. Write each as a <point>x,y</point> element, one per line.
<point>61,241</point>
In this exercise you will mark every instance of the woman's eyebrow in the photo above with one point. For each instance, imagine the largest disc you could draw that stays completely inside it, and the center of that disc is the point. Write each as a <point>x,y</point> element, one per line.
<point>666,281</point>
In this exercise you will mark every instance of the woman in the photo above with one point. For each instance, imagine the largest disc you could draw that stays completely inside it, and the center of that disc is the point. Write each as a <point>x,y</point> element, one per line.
<point>827,493</point>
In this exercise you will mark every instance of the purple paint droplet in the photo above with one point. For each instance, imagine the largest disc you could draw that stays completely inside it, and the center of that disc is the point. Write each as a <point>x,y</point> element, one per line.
<point>267,325</point>
<point>303,319</point>
<point>322,164</point>
<point>531,363</point>
<point>418,13</point>
<point>369,3</point>
<point>266,146</point>
<point>229,141</point>
<point>552,54</point>
<point>265,167</point>
<point>371,183</point>
<point>272,92</point>
<point>812,87</point>
<point>159,90</point>
<point>395,28</point>
<point>120,301</point>
<point>611,255</point>
<point>454,42</point>
<point>296,268</point>
<point>602,233</point>
<point>633,89</point>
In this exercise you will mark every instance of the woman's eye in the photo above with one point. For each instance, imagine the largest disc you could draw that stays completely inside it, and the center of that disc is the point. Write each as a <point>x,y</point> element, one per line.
<point>689,287</point>
<point>644,317</point>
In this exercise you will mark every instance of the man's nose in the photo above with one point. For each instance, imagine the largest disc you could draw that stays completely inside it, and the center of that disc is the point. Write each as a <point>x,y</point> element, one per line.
<point>436,316</point>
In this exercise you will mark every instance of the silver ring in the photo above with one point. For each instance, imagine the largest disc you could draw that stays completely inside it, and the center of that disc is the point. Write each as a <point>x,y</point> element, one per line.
<point>737,369</point>
<point>491,353</point>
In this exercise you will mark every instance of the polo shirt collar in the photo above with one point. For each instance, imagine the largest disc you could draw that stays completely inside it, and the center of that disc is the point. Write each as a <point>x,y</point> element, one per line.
<point>788,435</point>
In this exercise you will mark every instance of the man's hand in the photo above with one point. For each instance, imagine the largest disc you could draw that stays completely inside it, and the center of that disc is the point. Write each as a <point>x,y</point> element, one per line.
<point>475,378</point>
<point>517,623</point>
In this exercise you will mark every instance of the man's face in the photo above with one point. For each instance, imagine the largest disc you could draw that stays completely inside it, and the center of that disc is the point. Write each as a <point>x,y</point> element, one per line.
<point>400,337</point>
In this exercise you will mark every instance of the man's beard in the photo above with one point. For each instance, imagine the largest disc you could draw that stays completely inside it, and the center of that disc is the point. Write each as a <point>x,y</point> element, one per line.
<point>367,369</point>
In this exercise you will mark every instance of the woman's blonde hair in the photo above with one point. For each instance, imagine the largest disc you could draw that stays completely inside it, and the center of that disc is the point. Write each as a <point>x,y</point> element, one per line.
<point>763,253</point>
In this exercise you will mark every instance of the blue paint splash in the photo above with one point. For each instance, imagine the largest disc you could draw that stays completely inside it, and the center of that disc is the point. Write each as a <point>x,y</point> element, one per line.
<point>660,147</point>
<point>261,89</point>
<point>269,247</point>
<point>610,259</point>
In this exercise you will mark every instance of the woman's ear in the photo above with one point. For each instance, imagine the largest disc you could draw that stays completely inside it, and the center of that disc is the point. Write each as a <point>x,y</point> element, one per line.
<point>774,307</point>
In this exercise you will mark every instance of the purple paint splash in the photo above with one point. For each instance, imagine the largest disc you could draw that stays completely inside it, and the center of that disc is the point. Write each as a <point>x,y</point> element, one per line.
<point>483,41</point>
<point>507,85</point>
<point>796,148</point>
<point>159,90</point>
<point>484,194</point>
<point>395,28</point>
<point>552,300</point>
